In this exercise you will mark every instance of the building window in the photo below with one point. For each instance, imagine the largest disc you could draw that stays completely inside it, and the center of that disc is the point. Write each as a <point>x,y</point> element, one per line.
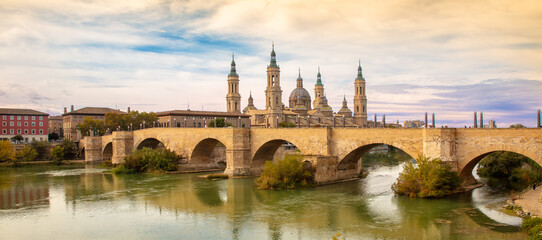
<point>41,117</point>
<point>33,131</point>
<point>18,117</point>
<point>19,124</point>
<point>33,124</point>
<point>25,117</point>
<point>4,117</point>
<point>26,131</point>
<point>11,131</point>
<point>18,131</point>
<point>10,117</point>
<point>4,131</point>
<point>41,131</point>
<point>11,123</point>
<point>33,117</point>
<point>4,123</point>
<point>41,124</point>
<point>26,124</point>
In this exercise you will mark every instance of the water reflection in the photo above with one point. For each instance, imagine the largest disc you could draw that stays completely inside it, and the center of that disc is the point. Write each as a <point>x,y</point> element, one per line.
<point>187,206</point>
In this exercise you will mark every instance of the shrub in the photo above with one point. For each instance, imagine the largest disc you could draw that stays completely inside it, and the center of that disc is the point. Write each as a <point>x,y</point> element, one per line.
<point>287,125</point>
<point>149,160</point>
<point>6,151</point>
<point>217,176</point>
<point>289,172</point>
<point>430,178</point>
<point>26,154</point>
<point>533,226</point>
<point>57,155</point>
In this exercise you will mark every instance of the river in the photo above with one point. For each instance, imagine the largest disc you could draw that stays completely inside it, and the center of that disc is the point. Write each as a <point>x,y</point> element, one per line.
<point>69,202</point>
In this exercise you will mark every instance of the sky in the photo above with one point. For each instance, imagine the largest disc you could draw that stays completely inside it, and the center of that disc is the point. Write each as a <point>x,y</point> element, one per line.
<point>449,57</point>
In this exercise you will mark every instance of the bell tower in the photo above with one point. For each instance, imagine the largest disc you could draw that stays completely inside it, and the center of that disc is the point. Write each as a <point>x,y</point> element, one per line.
<point>233,98</point>
<point>360,100</point>
<point>273,93</point>
<point>318,90</point>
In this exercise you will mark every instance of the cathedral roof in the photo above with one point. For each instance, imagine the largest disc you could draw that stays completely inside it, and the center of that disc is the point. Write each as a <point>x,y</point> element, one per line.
<point>300,92</point>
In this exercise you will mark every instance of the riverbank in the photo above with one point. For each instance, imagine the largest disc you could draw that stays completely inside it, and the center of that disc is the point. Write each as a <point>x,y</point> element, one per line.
<point>530,202</point>
<point>43,162</point>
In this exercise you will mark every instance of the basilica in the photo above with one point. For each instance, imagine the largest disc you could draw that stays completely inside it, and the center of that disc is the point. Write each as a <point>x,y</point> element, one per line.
<point>300,111</point>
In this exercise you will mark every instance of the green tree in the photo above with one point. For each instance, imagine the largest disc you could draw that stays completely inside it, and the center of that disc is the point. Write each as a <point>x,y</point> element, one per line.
<point>289,172</point>
<point>89,124</point>
<point>17,138</point>
<point>517,125</point>
<point>135,119</point>
<point>57,155</point>
<point>149,160</point>
<point>42,148</point>
<point>6,151</point>
<point>26,154</point>
<point>518,170</point>
<point>287,125</point>
<point>430,178</point>
<point>53,136</point>
<point>70,149</point>
<point>219,123</point>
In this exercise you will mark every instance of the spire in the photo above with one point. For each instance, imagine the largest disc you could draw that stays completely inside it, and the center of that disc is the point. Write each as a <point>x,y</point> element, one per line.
<point>233,73</point>
<point>344,102</point>
<point>250,99</point>
<point>273,62</point>
<point>319,78</point>
<point>299,80</point>
<point>360,76</point>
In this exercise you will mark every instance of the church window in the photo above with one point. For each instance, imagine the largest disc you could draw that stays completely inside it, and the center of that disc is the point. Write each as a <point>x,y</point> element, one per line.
<point>363,108</point>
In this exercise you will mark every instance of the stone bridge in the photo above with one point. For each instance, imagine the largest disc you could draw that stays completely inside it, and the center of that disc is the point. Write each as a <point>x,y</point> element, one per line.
<point>333,152</point>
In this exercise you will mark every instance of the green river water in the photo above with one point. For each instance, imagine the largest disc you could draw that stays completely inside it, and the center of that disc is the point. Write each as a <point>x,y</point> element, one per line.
<point>68,202</point>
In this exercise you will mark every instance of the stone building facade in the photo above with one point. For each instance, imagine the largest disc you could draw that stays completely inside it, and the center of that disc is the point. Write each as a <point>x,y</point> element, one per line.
<point>55,125</point>
<point>199,119</point>
<point>71,119</point>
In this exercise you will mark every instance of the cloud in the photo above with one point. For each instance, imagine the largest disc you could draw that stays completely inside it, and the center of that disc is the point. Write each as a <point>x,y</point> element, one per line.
<point>417,56</point>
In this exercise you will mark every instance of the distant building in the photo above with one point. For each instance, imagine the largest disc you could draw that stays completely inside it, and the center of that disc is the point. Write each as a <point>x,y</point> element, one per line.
<point>55,125</point>
<point>492,124</point>
<point>199,119</point>
<point>71,119</point>
<point>30,124</point>
<point>413,124</point>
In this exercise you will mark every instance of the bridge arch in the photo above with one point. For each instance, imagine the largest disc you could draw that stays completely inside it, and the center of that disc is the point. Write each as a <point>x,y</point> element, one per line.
<point>470,160</point>
<point>266,152</point>
<point>209,151</point>
<point>107,151</point>
<point>150,143</point>
<point>351,164</point>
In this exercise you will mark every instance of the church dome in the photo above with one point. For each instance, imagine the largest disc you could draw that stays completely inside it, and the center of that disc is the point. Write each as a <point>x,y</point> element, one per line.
<point>300,92</point>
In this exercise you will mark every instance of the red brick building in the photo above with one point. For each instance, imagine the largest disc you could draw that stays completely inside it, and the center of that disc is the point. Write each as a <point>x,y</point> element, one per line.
<point>30,124</point>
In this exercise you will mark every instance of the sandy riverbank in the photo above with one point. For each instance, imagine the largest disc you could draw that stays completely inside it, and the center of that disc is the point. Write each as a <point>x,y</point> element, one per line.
<point>530,201</point>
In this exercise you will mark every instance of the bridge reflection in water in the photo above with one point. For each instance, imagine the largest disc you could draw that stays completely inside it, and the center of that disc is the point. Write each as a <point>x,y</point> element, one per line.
<point>193,207</point>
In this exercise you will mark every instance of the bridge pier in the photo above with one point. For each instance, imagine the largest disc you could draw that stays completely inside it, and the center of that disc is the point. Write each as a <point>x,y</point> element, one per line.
<point>238,160</point>
<point>123,145</point>
<point>440,143</point>
<point>93,149</point>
